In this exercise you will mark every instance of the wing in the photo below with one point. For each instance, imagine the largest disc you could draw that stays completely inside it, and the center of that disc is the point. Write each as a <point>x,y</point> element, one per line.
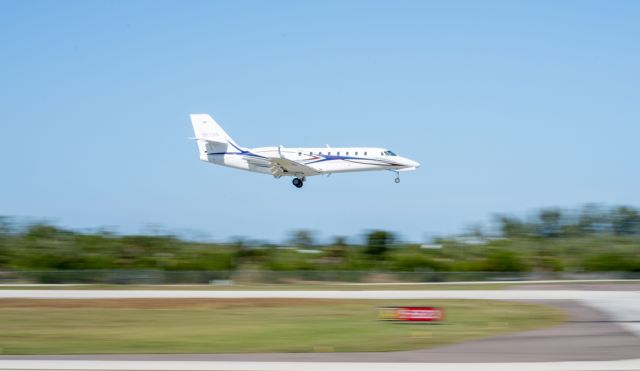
<point>283,165</point>
<point>280,166</point>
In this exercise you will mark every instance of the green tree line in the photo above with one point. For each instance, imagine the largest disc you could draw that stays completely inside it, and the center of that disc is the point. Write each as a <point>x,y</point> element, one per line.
<point>593,239</point>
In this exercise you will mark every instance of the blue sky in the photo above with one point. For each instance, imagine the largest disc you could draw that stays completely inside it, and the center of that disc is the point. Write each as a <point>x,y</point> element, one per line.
<point>508,105</point>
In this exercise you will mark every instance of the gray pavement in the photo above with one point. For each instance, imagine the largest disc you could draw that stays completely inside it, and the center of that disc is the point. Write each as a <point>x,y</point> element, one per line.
<point>630,286</point>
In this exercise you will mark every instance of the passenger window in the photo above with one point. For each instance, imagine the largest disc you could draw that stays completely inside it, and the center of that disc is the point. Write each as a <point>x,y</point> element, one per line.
<point>365,153</point>
<point>299,153</point>
<point>329,153</point>
<point>356,153</point>
<point>310,153</point>
<point>347,153</point>
<point>338,153</point>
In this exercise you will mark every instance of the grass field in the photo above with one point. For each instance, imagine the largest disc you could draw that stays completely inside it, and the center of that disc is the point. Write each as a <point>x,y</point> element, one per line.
<point>241,325</point>
<point>308,286</point>
<point>271,287</point>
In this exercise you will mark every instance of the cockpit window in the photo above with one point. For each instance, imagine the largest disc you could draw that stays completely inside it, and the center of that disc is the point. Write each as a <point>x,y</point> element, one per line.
<point>390,153</point>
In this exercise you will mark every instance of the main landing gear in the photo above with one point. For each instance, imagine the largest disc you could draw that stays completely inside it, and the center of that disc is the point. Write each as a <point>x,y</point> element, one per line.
<point>298,182</point>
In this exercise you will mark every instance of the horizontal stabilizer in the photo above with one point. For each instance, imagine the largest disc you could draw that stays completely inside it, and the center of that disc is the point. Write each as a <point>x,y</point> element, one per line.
<point>216,141</point>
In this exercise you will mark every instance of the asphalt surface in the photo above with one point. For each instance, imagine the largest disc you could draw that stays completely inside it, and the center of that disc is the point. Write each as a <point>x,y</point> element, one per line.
<point>589,335</point>
<point>631,286</point>
<point>66,365</point>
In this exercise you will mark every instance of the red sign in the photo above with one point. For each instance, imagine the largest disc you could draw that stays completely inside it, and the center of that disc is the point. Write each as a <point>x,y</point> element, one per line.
<point>413,314</point>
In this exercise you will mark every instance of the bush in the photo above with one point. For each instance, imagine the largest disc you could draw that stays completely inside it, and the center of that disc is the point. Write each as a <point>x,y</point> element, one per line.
<point>502,260</point>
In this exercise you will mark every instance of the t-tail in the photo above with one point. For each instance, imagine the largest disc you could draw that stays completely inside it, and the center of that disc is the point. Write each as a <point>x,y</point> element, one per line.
<point>211,138</point>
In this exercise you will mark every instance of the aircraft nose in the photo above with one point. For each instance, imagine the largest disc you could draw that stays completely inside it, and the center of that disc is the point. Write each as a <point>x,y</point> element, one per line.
<point>410,163</point>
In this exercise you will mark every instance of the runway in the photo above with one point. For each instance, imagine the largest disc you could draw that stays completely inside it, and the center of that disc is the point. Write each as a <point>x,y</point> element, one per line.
<point>624,365</point>
<point>599,336</point>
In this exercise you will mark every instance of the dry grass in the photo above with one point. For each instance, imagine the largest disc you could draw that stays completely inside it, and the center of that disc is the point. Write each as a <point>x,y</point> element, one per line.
<point>162,303</point>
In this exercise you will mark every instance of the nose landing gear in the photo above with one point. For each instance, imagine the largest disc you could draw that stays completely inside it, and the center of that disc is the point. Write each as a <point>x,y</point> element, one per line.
<point>397,180</point>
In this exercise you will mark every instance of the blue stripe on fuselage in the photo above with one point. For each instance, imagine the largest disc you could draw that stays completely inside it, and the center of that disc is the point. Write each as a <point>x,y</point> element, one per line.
<point>331,158</point>
<point>323,159</point>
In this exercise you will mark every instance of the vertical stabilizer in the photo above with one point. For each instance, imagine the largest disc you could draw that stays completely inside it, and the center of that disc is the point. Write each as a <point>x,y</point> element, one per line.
<point>211,138</point>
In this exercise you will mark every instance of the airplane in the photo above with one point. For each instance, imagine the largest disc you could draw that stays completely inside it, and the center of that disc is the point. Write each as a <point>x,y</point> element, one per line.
<point>216,146</point>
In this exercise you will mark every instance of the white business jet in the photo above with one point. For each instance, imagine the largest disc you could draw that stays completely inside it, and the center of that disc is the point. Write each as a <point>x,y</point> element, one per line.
<point>217,147</point>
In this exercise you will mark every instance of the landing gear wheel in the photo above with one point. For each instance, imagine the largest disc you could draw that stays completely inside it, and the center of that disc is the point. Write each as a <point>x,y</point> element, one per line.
<point>297,182</point>
<point>397,180</point>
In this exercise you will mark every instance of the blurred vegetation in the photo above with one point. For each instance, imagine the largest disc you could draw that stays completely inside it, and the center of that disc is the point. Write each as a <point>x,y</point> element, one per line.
<point>592,239</point>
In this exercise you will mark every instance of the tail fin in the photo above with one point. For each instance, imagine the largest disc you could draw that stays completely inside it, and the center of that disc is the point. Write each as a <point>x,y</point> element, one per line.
<point>211,138</point>
<point>206,128</point>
